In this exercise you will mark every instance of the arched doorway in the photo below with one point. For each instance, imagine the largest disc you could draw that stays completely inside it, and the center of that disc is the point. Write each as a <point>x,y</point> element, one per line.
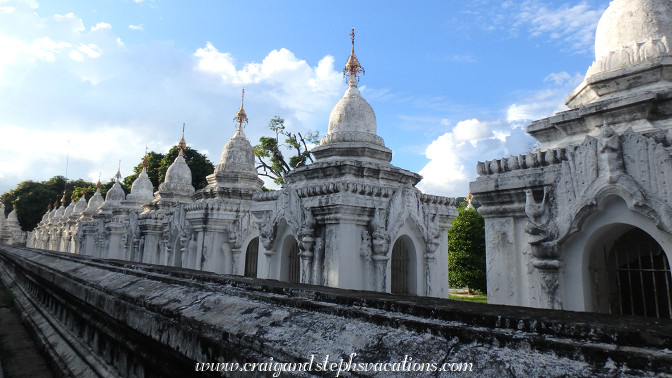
<point>251,258</point>
<point>403,272</point>
<point>290,260</point>
<point>639,276</point>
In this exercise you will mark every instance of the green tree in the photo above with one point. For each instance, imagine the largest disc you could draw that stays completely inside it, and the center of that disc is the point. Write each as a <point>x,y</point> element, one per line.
<point>270,157</point>
<point>198,163</point>
<point>33,198</point>
<point>466,250</point>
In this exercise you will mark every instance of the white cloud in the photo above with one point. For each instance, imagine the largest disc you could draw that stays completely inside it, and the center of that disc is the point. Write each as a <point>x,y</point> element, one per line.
<point>76,56</point>
<point>46,49</point>
<point>212,61</point>
<point>289,81</point>
<point>471,130</point>
<point>445,172</point>
<point>96,148</point>
<point>453,156</point>
<point>101,26</point>
<point>74,22</point>
<point>135,27</point>
<point>545,102</point>
<point>452,161</point>
<point>110,99</point>
<point>91,49</point>
<point>558,78</point>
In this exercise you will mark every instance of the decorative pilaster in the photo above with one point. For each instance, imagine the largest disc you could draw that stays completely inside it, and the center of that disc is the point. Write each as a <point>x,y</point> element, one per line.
<point>381,245</point>
<point>306,255</point>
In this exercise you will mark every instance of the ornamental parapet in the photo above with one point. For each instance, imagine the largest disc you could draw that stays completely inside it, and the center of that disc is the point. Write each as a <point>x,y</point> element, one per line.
<point>534,159</point>
<point>437,200</point>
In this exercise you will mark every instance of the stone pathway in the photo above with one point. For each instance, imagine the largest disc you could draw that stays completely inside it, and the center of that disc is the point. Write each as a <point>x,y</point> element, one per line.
<point>19,355</point>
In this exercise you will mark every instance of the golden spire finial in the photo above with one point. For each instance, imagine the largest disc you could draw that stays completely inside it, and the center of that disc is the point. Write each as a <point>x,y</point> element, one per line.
<point>352,68</point>
<point>145,161</point>
<point>118,175</point>
<point>98,185</point>
<point>241,117</point>
<point>63,198</point>
<point>182,145</point>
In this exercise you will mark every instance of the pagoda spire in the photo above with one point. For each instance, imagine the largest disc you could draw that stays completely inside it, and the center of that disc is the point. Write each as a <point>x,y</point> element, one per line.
<point>352,68</point>
<point>118,175</point>
<point>145,161</point>
<point>241,117</point>
<point>182,145</point>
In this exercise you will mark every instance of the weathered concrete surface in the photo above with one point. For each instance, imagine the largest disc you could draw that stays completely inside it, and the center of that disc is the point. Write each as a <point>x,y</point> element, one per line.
<point>113,318</point>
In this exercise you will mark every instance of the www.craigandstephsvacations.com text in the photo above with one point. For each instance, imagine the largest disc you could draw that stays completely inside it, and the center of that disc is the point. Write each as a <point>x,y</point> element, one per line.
<point>338,366</point>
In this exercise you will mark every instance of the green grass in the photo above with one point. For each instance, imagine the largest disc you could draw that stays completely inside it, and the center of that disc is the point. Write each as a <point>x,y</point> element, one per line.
<point>470,298</point>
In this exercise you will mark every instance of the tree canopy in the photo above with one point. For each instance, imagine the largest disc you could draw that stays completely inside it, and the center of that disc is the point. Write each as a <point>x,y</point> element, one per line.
<point>33,198</point>
<point>466,250</point>
<point>272,161</point>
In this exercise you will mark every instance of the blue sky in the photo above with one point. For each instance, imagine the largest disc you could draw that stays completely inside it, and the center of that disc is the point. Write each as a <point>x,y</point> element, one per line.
<point>451,82</point>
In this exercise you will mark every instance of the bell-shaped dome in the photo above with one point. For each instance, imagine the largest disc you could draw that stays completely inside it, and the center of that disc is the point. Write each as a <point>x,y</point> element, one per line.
<point>142,190</point>
<point>116,193</point>
<point>68,210</point>
<point>632,52</point>
<point>237,155</point>
<point>12,218</point>
<point>352,113</point>
<point>178,178</point>
<point>177,185</point>
<point>80,206</point>
<point>236,170</point>
<point>352,123</point>
<point>631,32</point>
<point>95,202</point>
<point>52,211</point>
<point>59,213</point>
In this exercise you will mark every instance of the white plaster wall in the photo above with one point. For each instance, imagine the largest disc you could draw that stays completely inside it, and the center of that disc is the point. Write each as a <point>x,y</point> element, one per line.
<point>348,267</point>
<point>505,265</point>
<point>440,274</point>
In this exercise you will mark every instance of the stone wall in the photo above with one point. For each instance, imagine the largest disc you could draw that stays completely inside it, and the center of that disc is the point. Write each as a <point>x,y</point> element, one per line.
<point>114,318</point>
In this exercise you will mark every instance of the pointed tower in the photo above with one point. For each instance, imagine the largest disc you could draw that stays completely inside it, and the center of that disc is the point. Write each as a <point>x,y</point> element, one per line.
<point>236,171</point>
<point>80,206</point>
<point>71,206</point>
<point>352,123</point>
<point>177,186</point>
<point>350,212</point>
<point>114,196</point>
<point>61,209</point>
<point>95,202</point>
<point>142,190</point>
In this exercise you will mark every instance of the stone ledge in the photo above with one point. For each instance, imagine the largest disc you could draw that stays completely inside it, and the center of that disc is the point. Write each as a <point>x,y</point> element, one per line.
<point>199,316</point>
